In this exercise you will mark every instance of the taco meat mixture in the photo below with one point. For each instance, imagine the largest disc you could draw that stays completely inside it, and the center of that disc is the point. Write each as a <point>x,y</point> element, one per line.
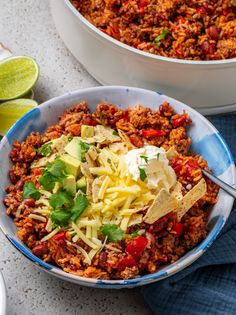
<point>75,233</point>
<point>183,29</point>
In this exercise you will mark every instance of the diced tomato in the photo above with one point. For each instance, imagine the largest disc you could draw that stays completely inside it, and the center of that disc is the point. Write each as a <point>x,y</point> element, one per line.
<point>137,246</point>
<point>37,171</point>
<point>178,229</point>
<point>191,165</point>
<point>125,115</point>
<point>179,121</point>
<point>152,133</point>
<point>126,262</point>
<point>60,237</point>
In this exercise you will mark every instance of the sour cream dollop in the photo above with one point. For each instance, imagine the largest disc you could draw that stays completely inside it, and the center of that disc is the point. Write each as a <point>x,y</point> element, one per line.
<point>154,162</point>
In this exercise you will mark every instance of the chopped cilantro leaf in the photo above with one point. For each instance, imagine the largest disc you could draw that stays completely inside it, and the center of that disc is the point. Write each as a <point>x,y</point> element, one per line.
<point>53,172</point>
<point>30,191</point>
<point>81,203</point>
<point>144,157</point>
<point>60,217</point>
<point>142,174</point>
<point>135,233</point>
<point>57,168</point>
<point>45,149</point>
<point>61,199</point>
<point>114,233</point>
<point>47,180</point>
<point>158,155</point>
<point>160,37</point>
<point>115,133</point>
<point>84,147</point>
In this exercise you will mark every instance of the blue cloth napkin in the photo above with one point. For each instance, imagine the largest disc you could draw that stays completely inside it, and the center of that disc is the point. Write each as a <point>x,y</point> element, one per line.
<point>208,286</point>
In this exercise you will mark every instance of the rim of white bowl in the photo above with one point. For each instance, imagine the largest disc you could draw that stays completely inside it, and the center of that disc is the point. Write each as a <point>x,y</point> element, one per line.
<point>166,271</point>
<point>3,296</point>
<point>143,53</point>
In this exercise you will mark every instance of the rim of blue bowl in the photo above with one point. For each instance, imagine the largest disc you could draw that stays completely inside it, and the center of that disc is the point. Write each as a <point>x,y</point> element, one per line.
<point>143,53</point>
<point>166,271</point>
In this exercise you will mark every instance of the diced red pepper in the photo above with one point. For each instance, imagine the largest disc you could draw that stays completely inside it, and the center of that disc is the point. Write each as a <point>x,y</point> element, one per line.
<point>179,121</point>
<point>178,229</point>
<point>60,237</point>
<point>126,262</point>
<point>152,133</point>
<point>37,171</point>
<point>137,246</point>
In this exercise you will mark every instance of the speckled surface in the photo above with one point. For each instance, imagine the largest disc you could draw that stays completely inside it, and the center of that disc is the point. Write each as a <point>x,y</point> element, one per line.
<point>26,28</point>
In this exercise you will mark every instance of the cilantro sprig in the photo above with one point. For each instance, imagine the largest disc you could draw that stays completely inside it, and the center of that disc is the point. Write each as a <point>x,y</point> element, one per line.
<point>53,172</point>
<point>113,232</point>
<point>66,208</point>
<point>30,191</point>
<point>142,174</point>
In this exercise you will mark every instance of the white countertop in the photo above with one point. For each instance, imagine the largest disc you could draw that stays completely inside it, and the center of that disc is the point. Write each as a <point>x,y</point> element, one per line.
<point>27,28</point>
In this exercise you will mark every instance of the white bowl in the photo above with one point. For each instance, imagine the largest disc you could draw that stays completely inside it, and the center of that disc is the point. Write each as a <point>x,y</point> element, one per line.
<point>206,141</point>
<point>3,296</point>
<point>208,86</point>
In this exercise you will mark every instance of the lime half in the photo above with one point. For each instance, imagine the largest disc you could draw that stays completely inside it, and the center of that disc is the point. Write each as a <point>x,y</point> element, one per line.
<point>18,75</point>
<point>11,111</point>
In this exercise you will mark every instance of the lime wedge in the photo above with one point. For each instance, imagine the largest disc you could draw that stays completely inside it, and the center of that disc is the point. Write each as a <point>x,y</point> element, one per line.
<point>11,111</point>
<point>18,75</point>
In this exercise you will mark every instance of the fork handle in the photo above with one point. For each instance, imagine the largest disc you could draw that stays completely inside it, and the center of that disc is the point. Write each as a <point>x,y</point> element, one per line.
<point>230,190</point>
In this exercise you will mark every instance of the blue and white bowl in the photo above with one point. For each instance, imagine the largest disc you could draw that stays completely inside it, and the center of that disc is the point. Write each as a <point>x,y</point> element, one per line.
<point>206,141</point>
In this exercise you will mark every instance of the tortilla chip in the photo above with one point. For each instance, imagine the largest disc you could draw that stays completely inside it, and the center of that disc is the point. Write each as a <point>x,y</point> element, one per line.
<point>92,152</point>
<point>96,185</point>
<point>162,205</point>
<point>171,153</point>
<point>196,193</point>
<point>135,219</point>
<point>119,148</point>
<point>126,139</point>
<point>85,170</point>
<point>106,133</point>
<point>176,191</point>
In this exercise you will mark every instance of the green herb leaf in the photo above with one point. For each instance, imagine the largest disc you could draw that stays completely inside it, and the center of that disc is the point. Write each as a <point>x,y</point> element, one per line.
<point>45,149</point>
<point>135,233</point>
<point>115,133</point>
<point>60,217</point>
<point>57,169</point>
<point>84,147</point>
<point>81,203</point>
<point>61,199</point>
<point>160,37</point>
<point>144,157</point>
<point>53,172</point>
<point>158,155</point>
<point>47,180</point>
<point>30,191</point>
<point>142,174</point>
<point>113,232</point>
